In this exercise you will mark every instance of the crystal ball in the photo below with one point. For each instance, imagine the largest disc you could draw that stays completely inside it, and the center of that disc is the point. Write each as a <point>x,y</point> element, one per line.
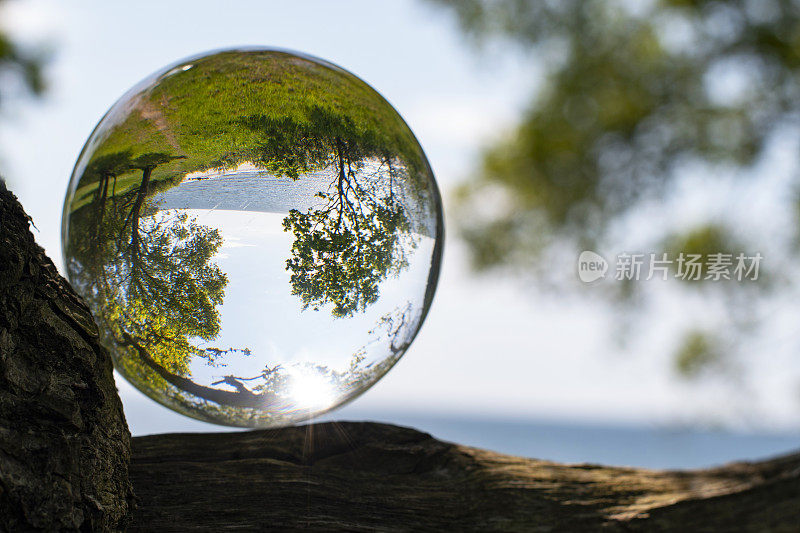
<point>258,234</point>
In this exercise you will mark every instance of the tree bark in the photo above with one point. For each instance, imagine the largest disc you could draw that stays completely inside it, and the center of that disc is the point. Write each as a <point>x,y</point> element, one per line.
<point>64,444</point>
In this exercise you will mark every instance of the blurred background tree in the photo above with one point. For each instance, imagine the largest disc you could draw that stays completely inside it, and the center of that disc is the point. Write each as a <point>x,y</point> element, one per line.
<point>646,107</point>
<point>21,69</point>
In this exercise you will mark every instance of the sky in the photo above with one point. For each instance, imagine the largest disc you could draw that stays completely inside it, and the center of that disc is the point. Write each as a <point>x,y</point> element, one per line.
<point>491,346</point>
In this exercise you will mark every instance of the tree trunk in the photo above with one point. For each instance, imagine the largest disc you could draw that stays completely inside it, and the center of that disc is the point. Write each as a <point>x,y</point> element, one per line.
<point>64,449</point>
<point>241,398</point>
<point>64,444</point>
<point>136,212</point>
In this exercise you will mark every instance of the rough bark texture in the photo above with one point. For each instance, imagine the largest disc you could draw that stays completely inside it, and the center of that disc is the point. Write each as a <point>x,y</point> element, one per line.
<point>375,477</point>
<point>64,444</point>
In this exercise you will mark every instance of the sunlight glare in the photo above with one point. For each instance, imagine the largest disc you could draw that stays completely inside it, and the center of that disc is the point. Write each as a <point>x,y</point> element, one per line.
<point>311,390</point>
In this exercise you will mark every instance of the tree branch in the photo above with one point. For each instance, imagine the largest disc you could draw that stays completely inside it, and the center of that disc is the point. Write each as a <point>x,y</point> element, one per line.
<point>375,477</point>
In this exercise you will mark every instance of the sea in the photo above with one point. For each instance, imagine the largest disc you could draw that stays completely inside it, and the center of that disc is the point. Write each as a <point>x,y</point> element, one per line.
<point>636,445</point>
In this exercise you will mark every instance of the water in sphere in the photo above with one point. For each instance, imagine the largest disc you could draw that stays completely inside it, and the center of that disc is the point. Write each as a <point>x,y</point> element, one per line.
<point>258,234</point>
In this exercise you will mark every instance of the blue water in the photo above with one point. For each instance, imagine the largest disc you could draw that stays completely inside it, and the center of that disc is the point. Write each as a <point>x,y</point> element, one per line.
<point>642,446</point>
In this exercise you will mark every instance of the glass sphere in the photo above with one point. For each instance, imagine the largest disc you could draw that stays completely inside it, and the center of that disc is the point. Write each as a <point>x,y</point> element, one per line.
<point>258,234</point>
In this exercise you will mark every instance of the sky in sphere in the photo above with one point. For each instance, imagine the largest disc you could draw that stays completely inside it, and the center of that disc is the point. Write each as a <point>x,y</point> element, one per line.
<point>491,346</point>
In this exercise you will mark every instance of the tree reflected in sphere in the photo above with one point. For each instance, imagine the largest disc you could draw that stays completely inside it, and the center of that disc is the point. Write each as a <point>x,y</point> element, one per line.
<point>258,234</point>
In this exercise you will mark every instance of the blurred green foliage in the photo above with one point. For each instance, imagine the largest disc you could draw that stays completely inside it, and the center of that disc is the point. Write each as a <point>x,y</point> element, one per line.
<point>627,98</point>
<point>633,91</point>
<point>20,68</point>
<point>698,351</point>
